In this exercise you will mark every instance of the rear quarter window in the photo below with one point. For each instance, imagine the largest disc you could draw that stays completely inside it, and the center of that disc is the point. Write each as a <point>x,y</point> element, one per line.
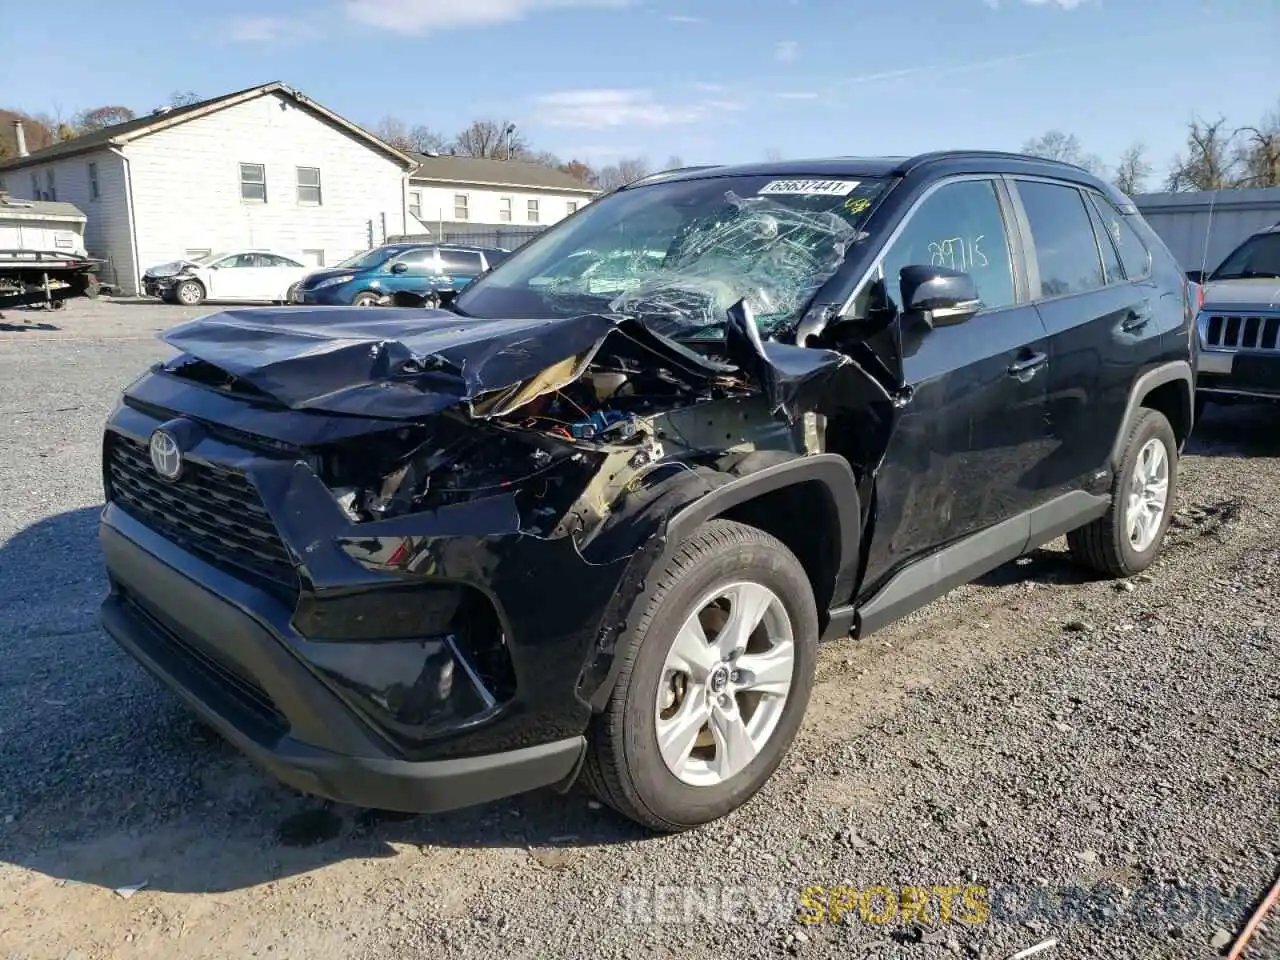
<point>1133,252</point>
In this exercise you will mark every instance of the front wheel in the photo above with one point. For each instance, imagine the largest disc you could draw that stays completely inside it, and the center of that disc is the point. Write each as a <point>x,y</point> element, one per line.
<point>189,293</point>
<point>365,299</point>
<point>1127,538</point>
<point>716,673</point>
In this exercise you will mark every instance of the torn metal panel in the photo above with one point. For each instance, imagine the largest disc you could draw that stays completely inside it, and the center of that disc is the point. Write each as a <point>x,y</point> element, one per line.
<point>389,362</point>
<point>773,256</point>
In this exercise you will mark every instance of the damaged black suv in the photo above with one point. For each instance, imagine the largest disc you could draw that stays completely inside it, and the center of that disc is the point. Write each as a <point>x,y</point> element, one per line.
<point>593,517</point>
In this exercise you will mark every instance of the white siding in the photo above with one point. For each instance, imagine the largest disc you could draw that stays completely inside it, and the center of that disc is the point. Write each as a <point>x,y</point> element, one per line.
<point>484,204</point>
<point>186,185</point>
<point>106,231</point>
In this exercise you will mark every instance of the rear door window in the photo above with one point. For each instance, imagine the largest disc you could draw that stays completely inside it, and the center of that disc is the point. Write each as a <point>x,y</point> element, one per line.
<point>1066,249</point>
<point>1133,252</point>
<point>465,262</point>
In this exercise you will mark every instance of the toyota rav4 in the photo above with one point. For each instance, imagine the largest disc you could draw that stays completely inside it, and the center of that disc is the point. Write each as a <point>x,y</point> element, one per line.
<point>592,518</point>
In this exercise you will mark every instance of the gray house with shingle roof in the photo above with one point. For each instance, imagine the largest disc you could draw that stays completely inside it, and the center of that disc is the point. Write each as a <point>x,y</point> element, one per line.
<point>445,191</point>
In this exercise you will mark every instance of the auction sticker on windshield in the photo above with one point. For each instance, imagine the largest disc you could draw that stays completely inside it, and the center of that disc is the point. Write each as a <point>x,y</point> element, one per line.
<point>808,188</point>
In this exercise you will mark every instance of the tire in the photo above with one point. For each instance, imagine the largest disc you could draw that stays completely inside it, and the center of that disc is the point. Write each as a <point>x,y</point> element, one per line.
<point>1107,545</point>
<point>189,293</point>
<point>625,766</point>
<point>365,299</point>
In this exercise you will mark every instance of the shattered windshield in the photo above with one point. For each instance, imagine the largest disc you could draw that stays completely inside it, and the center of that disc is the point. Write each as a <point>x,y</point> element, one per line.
<point>680,254</point>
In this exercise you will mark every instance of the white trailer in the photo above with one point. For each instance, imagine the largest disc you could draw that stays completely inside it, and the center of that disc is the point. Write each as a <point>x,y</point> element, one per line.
<point>43,260</point>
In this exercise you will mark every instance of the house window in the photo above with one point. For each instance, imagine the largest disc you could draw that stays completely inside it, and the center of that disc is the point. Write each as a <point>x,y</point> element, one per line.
<point>253,182</point>
<point>51,188</point>
<point>504,209</point>
<point>533,211</point>
<point>93,182</point>
<point>309,185</point>
<point>415,203</point>
<point>460,206</point>
<point>571,207</point>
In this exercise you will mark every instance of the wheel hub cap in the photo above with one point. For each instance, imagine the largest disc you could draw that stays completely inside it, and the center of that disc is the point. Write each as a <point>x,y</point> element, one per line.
<point>724,683</point>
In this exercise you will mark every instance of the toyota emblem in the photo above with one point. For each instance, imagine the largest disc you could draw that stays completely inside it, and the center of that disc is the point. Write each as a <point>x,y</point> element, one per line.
<point>166,456</point>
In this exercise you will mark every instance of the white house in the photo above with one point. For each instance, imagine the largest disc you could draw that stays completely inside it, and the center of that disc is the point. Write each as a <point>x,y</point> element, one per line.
<point>263,167</point>
<point>445,192</point>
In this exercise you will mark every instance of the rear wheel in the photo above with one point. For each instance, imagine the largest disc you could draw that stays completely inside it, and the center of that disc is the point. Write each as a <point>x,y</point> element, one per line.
<point>1127,538</point>
<point>716,674</point>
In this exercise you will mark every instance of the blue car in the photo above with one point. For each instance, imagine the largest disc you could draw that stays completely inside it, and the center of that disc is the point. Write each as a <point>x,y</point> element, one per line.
<point>420,268</point>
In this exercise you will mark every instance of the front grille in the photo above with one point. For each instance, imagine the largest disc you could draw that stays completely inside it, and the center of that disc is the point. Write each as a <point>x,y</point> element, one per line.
<point>229,680</point>
<point>212,512</point>
<point>1236,332</point>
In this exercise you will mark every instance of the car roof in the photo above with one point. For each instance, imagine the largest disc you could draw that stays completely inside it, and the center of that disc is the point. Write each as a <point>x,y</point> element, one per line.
<point>940,161</point>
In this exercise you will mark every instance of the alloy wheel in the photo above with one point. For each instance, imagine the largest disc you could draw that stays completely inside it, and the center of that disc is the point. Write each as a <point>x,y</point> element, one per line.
<point>1148,495</point>
<point>724,683</point>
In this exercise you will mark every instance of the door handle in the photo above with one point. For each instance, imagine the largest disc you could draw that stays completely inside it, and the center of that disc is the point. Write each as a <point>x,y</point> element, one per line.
<point>1138,319</point>
<point>1028,364</point>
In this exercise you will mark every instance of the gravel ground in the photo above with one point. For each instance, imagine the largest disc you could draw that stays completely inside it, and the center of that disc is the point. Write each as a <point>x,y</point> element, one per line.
<point>1080,760</point>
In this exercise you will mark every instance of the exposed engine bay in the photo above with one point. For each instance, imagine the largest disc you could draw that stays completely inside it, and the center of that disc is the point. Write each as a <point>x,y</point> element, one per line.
<point>567,417</point>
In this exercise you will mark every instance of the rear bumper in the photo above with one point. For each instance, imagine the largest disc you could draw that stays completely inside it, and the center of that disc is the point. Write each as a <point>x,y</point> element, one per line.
<point>210,643</point>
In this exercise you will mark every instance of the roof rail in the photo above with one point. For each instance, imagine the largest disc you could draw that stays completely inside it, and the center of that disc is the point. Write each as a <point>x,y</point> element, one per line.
<point>936,155</point>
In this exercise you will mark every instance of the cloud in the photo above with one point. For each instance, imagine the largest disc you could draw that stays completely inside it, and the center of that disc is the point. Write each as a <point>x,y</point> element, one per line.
<point>269,30</point>
<point>798,95</point>
<point>680,18</point>
<point>786,51</point>
<point>602,109</point>
<point>429,16</point>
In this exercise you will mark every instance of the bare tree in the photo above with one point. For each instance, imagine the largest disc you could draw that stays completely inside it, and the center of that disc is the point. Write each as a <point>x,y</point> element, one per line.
<point>99,117</point>
<point>1132,173</point>
<point>621,173</point>
<point>488,138</point>
<point>393,132</point>
<point>183,98</point>
<point>674,162</point>
<point>1064,147</point>
<point>425,140</point>
<point>1258,155</point>
<point>1211,161</point>
<point>578,170</point>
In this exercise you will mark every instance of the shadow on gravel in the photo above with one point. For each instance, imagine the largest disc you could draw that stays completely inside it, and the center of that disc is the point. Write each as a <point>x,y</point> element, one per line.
<point>106,779</point>
<point>1237,430</point>
<point>1039,566</point>
<point>8,327</point>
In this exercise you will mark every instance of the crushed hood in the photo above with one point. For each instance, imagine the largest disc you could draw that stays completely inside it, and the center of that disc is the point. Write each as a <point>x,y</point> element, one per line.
<point>410,363</point>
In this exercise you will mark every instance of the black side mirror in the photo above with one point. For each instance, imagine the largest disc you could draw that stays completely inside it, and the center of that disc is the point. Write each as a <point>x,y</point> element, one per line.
<point>1195,276</point>
<point>399,268</point>
<point>938,296</point>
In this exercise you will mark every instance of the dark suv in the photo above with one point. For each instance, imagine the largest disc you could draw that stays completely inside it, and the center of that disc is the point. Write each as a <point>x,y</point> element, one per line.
<point>593,519</point>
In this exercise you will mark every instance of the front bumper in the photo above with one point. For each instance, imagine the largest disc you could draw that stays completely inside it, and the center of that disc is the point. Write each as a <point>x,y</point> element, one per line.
<point>333,688</point>
<point>339,295</point>
<point>1239,373</point>
<point>158,286</point>
<point>220,661</point>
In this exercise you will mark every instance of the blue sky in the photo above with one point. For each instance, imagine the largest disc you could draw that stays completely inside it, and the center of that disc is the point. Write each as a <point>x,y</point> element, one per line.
<point>707,80</point>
